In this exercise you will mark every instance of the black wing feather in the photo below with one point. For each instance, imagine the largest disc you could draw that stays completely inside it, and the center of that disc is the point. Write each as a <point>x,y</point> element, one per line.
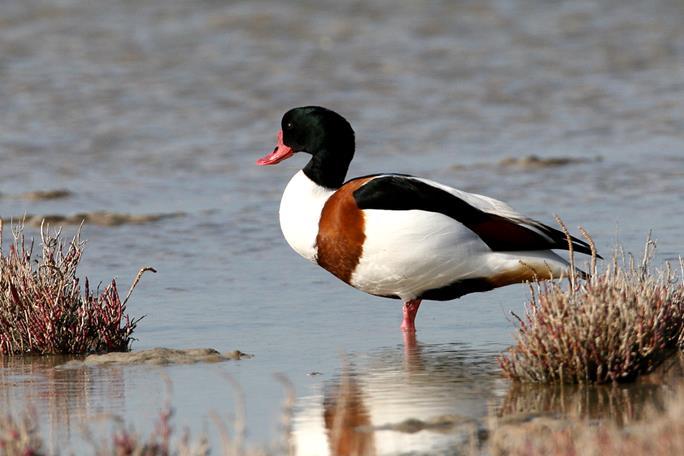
<point>401,193</point>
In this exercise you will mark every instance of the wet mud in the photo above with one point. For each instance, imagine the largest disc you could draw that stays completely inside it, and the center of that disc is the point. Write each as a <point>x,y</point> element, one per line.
<point>534,162</point>
<point>39,195</point>
<point>101,218</point>
<point>159,356</point>
<point>528,163</point>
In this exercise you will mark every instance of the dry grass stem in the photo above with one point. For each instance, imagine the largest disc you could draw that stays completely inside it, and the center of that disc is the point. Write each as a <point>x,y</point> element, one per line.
<point>138,276</point>
<point>571,252</point>
<point>164,442</point>
<point>287,445</point>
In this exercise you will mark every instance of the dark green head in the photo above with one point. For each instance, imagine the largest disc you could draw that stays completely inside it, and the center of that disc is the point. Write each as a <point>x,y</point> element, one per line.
<point>323,134</point>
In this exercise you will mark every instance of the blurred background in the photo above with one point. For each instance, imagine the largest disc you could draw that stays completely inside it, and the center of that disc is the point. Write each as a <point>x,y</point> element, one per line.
<point>154,111</point>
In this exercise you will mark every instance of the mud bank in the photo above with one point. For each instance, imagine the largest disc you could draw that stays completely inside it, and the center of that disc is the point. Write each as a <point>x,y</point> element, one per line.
<point>529,163</point>
<point>159,356</point>
<point>40,195</point>
<point>102,218</point>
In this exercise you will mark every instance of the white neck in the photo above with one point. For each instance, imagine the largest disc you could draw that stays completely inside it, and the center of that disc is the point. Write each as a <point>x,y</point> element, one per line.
<point>300,211</point>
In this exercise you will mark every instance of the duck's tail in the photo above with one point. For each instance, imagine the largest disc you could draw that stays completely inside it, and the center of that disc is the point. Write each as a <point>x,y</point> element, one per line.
<point>529,266</point>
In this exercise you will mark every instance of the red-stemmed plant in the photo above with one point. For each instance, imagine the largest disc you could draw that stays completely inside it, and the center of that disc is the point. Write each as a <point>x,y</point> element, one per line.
<point>44,309</point>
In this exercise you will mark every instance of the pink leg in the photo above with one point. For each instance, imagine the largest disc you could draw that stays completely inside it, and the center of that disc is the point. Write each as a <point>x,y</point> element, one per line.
<point>411,355</point>
<point>410,312</point>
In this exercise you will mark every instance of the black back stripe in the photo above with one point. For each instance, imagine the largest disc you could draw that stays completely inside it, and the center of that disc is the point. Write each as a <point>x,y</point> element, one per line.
<point>500,233</point>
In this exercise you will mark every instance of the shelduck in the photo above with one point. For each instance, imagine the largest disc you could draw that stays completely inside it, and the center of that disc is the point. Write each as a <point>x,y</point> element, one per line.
<point>400,236</point>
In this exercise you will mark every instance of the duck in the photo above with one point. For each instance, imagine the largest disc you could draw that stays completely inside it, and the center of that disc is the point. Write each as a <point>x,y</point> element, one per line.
<point>400,236</point>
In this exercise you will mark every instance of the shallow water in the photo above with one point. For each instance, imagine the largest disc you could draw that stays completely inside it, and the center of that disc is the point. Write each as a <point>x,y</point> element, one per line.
<point>162,107</point>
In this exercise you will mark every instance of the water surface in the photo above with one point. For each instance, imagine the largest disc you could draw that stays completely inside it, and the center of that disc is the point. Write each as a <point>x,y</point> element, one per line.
<point>162,107</point>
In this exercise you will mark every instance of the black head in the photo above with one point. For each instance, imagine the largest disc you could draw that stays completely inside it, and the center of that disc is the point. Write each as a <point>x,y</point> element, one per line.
<point>310,129</point>
<point>324,134</point>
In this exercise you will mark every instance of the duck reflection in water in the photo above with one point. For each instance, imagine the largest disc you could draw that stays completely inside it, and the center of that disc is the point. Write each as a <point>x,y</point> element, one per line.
<point>409,398</point>
<point>451,398</point>
<point>347,419</point>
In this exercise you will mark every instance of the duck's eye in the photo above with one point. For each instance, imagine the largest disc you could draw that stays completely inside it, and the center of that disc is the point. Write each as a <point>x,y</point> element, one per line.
<point>289,126</point>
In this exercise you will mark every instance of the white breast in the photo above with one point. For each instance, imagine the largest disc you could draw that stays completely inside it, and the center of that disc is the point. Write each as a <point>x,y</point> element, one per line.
<point>300,211</point>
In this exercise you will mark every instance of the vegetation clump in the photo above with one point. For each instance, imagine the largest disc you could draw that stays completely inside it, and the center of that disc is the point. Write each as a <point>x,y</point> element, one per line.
<point>659,433</point>
<point>619,323</point>
<point>43,309</point>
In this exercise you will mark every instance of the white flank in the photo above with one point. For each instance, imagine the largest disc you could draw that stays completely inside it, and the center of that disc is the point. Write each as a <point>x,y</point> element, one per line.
<point>408,252</point>
<point>300,211</point>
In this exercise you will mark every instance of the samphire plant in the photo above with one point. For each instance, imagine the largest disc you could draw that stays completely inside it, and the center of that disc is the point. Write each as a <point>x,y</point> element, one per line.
<point>620,322</point>
<point>45,310</point>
